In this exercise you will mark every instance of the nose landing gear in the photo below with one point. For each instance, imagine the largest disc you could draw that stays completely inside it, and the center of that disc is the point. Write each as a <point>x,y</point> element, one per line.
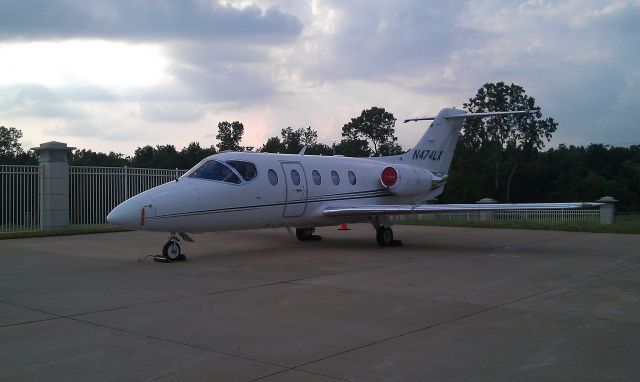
<point>171,250</point>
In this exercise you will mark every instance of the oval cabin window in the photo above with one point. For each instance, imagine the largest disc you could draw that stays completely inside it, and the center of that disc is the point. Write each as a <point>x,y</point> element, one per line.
<point>317,179</point>
<point>295,177</point>
<point>335,177</point>
<point>273,177</point>
<point>352,178</point>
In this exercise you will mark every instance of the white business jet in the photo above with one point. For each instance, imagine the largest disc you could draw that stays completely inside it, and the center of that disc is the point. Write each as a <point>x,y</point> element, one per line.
<point>246,190</point>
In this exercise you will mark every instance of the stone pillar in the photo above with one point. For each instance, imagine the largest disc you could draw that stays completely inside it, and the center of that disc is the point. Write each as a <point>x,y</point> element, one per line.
<point>486,216</point>
<point>607,210</point>
<point>54,185</point>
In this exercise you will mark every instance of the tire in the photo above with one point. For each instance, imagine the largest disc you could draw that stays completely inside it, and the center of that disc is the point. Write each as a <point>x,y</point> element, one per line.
<point>171,250</point>
<point>304,234</point>
<point>384,236</point>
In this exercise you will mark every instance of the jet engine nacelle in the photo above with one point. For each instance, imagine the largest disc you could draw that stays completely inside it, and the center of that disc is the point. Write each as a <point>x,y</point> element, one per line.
<point>403,180</point>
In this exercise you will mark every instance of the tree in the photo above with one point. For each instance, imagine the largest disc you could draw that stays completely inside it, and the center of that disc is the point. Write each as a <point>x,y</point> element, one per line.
<point>273,145</point>
<point>84,157</point>
<point>143,157</point>
<point>372,133</point>
<point>292,141</point>
<point>192,154</point>
<point>509,140</point>
<point>229,136</point>
<point>161,156</point>
<point>10,142</point>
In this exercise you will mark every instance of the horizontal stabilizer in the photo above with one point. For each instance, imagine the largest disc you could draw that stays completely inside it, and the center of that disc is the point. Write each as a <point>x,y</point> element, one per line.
<point>407,209</point>
<point>473,115</point>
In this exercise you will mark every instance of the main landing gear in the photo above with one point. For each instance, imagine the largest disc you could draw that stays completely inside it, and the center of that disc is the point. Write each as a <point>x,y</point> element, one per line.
<point>171,251</point>
<point>384,233</point>
<point>306,234</point>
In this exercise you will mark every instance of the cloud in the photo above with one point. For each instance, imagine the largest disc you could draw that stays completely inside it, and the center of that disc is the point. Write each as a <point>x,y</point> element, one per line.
<point>144,20</point>
<point>278,63</point>
<point>40,101</point>
<point>221,72</point>
<point>163,112</point>
<point>379,38</point>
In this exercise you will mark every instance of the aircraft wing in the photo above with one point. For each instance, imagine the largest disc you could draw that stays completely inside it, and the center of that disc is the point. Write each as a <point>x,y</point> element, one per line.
<point>407,209</point>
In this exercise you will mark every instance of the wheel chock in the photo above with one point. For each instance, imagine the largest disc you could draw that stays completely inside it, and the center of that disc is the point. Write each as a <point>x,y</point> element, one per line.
<point>164,259</point>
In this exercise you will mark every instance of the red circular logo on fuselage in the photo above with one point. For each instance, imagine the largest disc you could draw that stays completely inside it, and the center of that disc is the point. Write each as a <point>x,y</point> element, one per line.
<point>389,176</point>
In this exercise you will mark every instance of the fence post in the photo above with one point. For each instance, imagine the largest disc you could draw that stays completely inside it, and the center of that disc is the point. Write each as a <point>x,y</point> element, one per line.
<point>126,183</point>
<point>607,210</point>
<point>486,216</point>
<point>54,185</point>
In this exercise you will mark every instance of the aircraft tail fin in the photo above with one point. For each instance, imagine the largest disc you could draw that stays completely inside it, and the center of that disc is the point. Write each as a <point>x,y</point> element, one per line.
<point>434,151</point>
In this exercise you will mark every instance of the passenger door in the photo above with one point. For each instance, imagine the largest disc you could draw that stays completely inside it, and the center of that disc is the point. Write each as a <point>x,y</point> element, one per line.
<point>296,183</point>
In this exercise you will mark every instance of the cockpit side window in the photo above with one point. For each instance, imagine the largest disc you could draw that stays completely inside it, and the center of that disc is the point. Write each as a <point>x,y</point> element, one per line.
<point>246,169</point>
<point>214,170</point>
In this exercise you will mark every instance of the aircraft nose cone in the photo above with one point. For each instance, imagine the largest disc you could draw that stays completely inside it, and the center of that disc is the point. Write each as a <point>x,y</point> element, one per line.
<point>127,214</point>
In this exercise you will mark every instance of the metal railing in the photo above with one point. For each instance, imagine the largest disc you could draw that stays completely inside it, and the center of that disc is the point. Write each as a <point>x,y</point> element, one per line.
<point>19,198</point>
<point>94,191</point>
<point>549,216</point>
<point>540,216</point>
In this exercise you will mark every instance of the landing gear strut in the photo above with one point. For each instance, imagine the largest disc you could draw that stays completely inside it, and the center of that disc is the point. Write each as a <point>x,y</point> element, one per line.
<point>171,250</point>
<point>306,234</point>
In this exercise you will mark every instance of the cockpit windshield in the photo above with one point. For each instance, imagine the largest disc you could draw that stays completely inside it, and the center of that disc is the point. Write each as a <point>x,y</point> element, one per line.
<point>215,170</point>
<point>246,169</point>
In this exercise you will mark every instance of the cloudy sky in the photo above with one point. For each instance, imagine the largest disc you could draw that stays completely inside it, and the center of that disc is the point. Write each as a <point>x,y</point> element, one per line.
<point>118,74</point>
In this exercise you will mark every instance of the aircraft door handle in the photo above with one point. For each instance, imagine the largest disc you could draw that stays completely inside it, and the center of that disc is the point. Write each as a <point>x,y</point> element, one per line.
<point>299,189</point>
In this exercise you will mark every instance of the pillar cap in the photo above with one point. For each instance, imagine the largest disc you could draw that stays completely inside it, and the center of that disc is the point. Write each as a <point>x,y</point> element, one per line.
<point>53,145</point>
<point>607,199</point>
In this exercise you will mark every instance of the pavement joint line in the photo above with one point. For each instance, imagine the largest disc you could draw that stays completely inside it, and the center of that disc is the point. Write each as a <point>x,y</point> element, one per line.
<point>299,371</point>
<point>31,322</point>
<point>57,316</point>
<point>431,326</point>
<point>524,244</point>
<point>74,317</point>
<point>570,283</point>
<point>66,273</point>
<point>575,315</point>
<point>167,340</point>
<point>441,323</point>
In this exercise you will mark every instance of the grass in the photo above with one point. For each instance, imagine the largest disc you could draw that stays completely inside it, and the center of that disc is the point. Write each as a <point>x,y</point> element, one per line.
<point>73,230</point>
<point>629,224</point>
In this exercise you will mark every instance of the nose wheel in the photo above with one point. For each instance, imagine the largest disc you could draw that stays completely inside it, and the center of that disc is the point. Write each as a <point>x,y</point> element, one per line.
<point>171,251</point>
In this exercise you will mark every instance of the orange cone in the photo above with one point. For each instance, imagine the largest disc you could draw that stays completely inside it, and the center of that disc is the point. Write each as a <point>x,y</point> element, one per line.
<point>343,227</point>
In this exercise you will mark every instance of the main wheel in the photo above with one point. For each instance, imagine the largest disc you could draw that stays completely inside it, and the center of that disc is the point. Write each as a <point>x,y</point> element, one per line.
<point>384,236</point>
<point>171,250</point>
<point>304,234</point>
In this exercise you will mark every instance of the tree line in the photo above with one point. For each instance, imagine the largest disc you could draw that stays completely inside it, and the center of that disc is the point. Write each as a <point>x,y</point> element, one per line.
<point>499,157</point>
